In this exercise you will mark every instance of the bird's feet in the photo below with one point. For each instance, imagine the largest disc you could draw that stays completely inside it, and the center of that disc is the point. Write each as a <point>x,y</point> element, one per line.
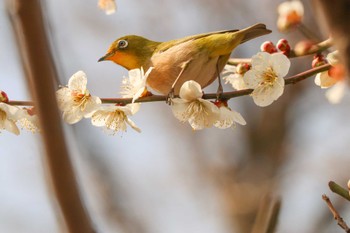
<point>219,92</point>
<point>170,96</point>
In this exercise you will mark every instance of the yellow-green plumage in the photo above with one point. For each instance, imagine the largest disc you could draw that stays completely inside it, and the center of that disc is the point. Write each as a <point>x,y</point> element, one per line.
<point>200,57</point>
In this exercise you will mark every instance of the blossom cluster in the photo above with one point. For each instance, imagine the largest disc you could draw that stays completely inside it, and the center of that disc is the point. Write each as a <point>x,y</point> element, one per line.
<point>13,117</point>
<point>263,76</point>
<point>76,103</point>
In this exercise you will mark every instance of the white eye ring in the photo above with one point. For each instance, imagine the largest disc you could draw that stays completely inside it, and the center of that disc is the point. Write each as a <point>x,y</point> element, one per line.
<point>122,44</point>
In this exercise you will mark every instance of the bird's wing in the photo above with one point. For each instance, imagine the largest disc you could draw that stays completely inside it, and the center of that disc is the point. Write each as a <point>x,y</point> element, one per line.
<point>166,45</point>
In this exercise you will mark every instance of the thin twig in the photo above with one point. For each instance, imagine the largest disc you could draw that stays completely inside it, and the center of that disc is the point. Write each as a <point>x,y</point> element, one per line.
<point>336,215</point>
<point>336,188</point>
<point>317,48</point>
<point>307,32</point>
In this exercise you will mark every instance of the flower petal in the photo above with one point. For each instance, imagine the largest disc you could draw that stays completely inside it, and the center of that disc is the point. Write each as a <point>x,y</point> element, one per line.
<point>280,64</point>
<point>336,93</point>
<point>11,126</point>
<point>91,106</point>
<point>264,95</point>
<point>228,118</point>
<point>324,80</point>
<point>133,125</point>
<point>252,79</point>
<point>179,107</point>
<point>78,82</point>
<point>190,90</point>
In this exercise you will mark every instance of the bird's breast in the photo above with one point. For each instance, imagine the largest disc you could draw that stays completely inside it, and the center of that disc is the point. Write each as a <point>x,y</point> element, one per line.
<point>167,65</point>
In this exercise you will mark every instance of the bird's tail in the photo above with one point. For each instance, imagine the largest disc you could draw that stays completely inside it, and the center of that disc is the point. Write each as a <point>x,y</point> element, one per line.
<point>254,31</point>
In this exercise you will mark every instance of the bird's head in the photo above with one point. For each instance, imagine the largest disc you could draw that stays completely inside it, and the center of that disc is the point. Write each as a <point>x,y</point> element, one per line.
<point>131,51</point>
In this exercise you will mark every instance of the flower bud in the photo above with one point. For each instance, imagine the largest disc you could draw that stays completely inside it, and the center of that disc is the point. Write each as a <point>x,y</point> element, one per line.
<point>283,46</point>
<point>220,103</point>
<point>349,184</point>
<point>3,97</point>
<point>241,68</point>
<point>268,47</point>
<point>318,60</point>
<point>303,47</point>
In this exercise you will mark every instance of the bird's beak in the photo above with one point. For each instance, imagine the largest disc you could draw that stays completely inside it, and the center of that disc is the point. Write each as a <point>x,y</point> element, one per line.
<point>106,57</point>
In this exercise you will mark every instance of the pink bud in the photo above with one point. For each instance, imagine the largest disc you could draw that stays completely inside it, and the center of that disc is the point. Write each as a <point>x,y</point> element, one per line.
<point>220,103</point>
<point>283,45</point>
<point>3,97</point>
<point>303,47</point>
<point>318,60</point>
<point>241,68</point>
<point>268,47</point>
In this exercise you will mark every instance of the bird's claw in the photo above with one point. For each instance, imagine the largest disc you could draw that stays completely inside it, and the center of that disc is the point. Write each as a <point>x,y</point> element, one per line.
<point>170,96</point>
<point>219,92</point>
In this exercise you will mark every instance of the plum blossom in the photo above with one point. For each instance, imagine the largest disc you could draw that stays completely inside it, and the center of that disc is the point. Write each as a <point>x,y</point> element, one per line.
<point>75,100</point>
<point>191,107</point>
<point>290,13</point>
<point>115,118</point>
<point>228,118</point>
<point>9,115</point>
<point>29,120</point>
<point>234,75</point>
<point>334,79</point>
<point>134,86</point>
<point>266,77</point>
<point>109,6</point>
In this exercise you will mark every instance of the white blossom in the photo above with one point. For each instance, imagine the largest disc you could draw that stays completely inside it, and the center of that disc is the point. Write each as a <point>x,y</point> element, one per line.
<point>135,85</point>
<point>232,77</point>
<point>29,120</point>
<point>337,84</point>
<point>191,107</point>
<point>336,93</point>
<point>9,115</point>
<point>324,80</point>
<point>75,100</point>
<point>228,118</point>
<point>115,118</point>
<point>266,77</point>
<point>290,14</point>
<point>109,6</point>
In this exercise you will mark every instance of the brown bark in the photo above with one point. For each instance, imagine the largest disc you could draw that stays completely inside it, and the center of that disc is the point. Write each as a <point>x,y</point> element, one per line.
<point>27,21</point>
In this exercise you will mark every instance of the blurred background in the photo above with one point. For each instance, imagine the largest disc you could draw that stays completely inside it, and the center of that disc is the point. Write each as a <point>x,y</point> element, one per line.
<point>169,178</point>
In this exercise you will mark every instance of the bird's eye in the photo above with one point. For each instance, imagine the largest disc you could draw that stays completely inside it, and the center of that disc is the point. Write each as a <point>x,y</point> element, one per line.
<point>122,44</point>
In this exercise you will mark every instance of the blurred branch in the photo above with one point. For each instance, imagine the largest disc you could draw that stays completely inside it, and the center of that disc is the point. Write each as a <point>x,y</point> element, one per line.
<point>336,15</point>
<point>307,32</point>
<point>27,21</point>
<point>267,217</point>
<point>336,188</point>
<point>336,215</point>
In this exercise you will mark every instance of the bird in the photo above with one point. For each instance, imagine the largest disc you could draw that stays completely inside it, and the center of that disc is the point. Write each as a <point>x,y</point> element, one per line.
<point>199,57</point>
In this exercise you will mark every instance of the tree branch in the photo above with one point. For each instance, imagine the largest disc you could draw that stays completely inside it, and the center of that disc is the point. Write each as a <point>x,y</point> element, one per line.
<point>226,95</point>
<point>336,215</point>
<point>336,15</point>
<point>318,48</point>
<point>27,21</point>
